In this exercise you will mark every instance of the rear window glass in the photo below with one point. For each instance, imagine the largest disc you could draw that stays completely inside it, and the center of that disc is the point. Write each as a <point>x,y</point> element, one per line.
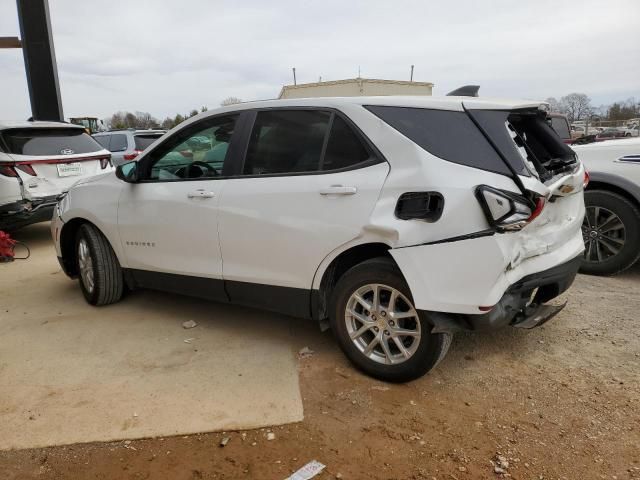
<point>143,141</point>
<point>524,136</point>
<point>561,127</point>
<point>448,135</point>
<point>48,141</point>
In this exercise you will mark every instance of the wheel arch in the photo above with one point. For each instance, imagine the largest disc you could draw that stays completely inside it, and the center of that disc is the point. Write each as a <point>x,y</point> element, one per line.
<point>615,184</point>
<point>332,269</point>
<point>68,235</point>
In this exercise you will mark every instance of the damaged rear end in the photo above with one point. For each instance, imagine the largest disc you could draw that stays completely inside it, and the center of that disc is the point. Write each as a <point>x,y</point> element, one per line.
<point>39,162</point>
<point>531,245</point>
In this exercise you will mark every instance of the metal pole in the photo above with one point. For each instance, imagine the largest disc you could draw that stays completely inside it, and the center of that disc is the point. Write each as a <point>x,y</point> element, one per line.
<point>411,73</point>
<point>294,76</point>
<point>40,60</point>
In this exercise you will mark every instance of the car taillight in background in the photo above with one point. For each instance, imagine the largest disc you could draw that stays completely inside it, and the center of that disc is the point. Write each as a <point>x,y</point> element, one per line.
<point>132,156</point>
<point>508,211</point>
<point>585,182</point>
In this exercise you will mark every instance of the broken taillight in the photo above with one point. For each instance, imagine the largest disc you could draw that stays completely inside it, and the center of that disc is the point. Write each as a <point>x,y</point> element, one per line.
<point>26,168</point>
<point>8,171</point>
<point>507,211</point>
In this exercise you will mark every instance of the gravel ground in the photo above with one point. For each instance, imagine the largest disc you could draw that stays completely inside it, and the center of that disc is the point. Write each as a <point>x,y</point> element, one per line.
<point>558,402</point>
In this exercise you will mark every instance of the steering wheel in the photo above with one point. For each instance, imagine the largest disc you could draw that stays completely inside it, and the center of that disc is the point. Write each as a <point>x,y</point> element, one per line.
<point>188,169</point>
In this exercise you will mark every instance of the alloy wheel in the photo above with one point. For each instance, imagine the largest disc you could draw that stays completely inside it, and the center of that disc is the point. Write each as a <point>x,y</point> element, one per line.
<point>85,265</point>
<point>383,324</point>
<point>604,234</point>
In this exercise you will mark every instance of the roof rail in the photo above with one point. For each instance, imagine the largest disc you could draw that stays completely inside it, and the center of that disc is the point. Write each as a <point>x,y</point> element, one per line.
<point>465,91</point>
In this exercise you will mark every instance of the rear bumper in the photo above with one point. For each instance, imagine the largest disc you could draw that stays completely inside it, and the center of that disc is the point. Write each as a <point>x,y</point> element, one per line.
<point>463,276</point>
<point>523,304</point>
<point>20,214</point>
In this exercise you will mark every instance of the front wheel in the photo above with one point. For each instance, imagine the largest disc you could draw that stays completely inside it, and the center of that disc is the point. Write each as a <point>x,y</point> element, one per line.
<point>101,279</point>
<point>378,327</point>
<point>611,232</point>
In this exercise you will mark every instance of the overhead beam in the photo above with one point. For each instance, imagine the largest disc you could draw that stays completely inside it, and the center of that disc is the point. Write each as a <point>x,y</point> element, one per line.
<point>10,42</point>
<point>40,60</point>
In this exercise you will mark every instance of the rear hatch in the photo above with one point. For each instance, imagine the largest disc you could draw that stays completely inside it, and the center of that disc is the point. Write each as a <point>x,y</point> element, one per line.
<point>48,160</point>
<point>546,171</point>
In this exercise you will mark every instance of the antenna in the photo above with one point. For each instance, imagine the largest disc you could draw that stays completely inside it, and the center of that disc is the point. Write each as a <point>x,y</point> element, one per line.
<point>411,79</point>
<point>294,76</point>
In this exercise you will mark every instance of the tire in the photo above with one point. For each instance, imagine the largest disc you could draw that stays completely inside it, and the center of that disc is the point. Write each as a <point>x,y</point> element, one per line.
<point>599,257</point>
<point>426,350</point>
<point>94,252</point>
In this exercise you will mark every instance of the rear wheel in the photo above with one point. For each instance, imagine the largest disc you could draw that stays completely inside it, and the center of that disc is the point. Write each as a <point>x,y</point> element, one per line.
<point>378,327</point>
<point>611,232</point>
<point>101,279</point>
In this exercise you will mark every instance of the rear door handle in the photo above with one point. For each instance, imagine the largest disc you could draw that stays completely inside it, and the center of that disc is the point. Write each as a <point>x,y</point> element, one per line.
<point>201,194</point>
<point>338,190</point>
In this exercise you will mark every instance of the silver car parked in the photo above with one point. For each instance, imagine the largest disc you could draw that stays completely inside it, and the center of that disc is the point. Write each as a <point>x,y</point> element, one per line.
<point>126,145</point>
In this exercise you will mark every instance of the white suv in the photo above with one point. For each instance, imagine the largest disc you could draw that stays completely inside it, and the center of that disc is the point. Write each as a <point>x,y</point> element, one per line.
<point>399,220</point>
<point>38,161</point>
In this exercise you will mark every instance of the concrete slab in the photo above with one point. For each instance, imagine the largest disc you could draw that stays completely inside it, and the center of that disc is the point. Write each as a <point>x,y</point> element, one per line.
<point>74,373</point>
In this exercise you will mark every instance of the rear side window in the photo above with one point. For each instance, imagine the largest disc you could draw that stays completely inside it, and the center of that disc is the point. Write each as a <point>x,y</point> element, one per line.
<point>286,141</point>
<point>103,140</point>
<point>448,135</point>
<point>143,141</point>
<point>118,143</point>
<point>344,148</point>
<point>48,141</point>
<point>561,127</point>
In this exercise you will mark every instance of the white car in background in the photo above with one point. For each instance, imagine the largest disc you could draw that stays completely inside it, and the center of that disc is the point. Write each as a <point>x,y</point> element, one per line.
<point>611,226</point>
<point>40,160</point>
<point>398,219</point>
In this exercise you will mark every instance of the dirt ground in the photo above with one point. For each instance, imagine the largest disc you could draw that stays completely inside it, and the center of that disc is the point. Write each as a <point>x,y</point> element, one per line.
<point>558,402</point>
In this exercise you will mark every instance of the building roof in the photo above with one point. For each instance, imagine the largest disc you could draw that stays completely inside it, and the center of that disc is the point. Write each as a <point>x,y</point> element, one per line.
<point>300,86</point>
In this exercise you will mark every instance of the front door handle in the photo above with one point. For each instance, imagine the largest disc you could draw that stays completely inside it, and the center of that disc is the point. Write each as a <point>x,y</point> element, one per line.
<point>201,194</point>
<point>338,190</point>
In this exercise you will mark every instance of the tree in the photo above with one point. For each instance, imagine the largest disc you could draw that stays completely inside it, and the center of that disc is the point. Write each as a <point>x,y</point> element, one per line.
<point>144,120</point>
<point>576,106</point>
<point>178,119</point>
<point>192,113</point>
<point>230,101</point>
<point>167,123</point>
<point>204,108</point>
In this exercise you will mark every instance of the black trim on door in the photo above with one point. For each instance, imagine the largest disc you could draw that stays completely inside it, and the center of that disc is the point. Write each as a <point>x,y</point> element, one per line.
<point>295,302</point>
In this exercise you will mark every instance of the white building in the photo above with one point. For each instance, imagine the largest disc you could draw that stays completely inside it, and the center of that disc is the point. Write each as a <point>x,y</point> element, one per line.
<point>355,87</point>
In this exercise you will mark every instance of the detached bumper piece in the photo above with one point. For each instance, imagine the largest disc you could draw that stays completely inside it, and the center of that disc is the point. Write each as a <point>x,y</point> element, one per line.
<point>21,214</point>
<point>524,303</point>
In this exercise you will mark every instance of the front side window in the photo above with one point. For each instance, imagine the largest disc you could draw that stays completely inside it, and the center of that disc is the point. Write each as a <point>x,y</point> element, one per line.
<point>198,151</point>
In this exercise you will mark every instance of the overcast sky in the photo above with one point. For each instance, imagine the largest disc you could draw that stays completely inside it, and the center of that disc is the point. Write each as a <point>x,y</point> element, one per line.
<point>166,57</point>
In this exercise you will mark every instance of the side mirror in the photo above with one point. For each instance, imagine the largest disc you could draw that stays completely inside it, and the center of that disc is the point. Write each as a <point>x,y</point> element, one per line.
<point>128,172</point>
